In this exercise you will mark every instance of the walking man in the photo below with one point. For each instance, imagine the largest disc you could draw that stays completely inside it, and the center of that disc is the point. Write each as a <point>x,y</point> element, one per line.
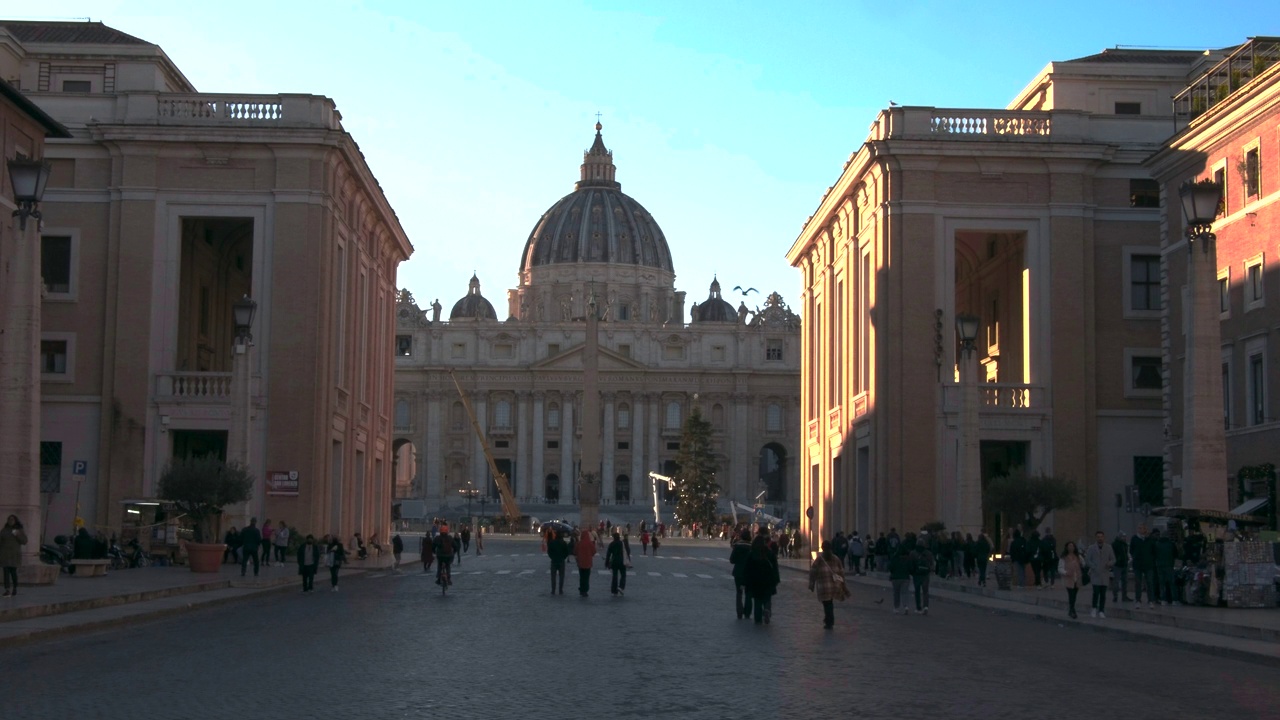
<point>557,552</point>
<point>308,563</point>
<point>1099,559</point>
<point>1142,556</point>
<point>250,539</point>
<point>738,559</point>
<point>615,558</point>
<point>921,568</point>
<point>585,552</point>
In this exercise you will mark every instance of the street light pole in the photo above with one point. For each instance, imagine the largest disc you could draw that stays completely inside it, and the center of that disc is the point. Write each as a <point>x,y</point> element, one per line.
<point>238,439</point>
<point>968,507</point>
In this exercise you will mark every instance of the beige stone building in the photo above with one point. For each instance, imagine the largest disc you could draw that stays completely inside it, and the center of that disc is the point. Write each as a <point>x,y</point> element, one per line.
<point>165,206</point>
<point>1042,221</point>
<point>1225,371</point>
<point>524,373</point>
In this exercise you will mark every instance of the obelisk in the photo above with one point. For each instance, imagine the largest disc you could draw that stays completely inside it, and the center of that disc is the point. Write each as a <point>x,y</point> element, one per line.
<point>589,466</point>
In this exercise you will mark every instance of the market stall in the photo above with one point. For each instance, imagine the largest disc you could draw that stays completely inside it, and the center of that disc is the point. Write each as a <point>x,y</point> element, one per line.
<point>1223,562</point>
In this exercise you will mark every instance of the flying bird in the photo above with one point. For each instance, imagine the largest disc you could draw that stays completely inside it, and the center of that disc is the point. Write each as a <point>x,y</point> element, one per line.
<point>738,288</point>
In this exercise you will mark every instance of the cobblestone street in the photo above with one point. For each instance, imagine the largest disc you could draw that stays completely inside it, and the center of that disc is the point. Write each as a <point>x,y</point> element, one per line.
<point>499,645</point>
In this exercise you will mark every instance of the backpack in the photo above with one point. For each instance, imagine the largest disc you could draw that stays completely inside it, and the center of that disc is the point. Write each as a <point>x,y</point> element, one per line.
<point>921,564</point>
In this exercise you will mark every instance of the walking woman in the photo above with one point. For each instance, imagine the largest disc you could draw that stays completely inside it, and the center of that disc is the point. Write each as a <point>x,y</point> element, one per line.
<point>654,539</point>
<point>827,582</point>
<point>334,558</point>
<point>308,563</point>
<point>1071,567</point>
<point>899,574</point>
<point>761,578</point>
<point>12,538</point>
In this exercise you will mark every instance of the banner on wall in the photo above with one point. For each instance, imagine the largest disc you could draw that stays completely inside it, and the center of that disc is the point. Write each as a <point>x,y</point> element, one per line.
<point>282,483</point>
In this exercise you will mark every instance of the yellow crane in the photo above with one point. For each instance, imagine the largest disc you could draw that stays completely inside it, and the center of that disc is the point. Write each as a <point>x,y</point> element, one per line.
<point>509,506</point>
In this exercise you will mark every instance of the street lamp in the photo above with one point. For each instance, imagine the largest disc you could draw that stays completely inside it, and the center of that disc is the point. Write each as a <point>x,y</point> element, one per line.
<point>28,178</point>
<point>470,492</point>
<point>968,508</point>
<point>1204,460</point>
<point>242,312</point>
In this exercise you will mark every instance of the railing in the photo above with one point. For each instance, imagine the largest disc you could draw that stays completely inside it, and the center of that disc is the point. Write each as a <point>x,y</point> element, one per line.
<point>194,386</point>
<point>1238,69</point>
<point>984,123</point>
<point>195,108</point>
<point>1014,397</point>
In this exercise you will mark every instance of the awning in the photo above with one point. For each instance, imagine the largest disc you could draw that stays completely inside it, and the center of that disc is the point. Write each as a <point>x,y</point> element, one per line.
<point>1218,517</point>
<point>1251,506</point>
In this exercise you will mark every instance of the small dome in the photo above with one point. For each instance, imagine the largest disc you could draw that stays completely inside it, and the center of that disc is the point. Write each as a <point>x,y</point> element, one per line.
<point>473,305</point>
<point>714,308</point>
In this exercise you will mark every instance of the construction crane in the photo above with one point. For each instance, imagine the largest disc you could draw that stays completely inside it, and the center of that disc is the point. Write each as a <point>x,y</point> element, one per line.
<point>509,506</point>
<point>671,485</point>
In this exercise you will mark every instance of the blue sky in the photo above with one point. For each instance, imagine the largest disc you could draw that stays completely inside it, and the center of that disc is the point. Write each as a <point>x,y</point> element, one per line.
<point>727,120</point>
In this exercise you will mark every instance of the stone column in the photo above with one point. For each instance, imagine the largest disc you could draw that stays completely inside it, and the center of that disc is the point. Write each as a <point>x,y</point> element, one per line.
<point>1204,459</point>
<point>655,458</point>
<point>479,465</point>
<point>608,447</point>
<point>521,469</point>
<point>639,473</point>
<point>537,479</point>
<point>967,513</point>
<point>744,416</point>
<point>20,381</point>
<point>567,476</point>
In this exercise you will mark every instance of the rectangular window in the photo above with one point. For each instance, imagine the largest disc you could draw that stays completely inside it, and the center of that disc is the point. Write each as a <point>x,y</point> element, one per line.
<point>1148,475</point>
<point>1128,108</point>
<point>55,263</point>
<point>672,352</point>
<point>1254,290</point>
<point>504,351</point>
<point>773,350</point>
<point>1257,390</point>
<point>553,349</point>
<point>1226,395</point>
<point>502,444</point>
<point>1144,193</point>
<point>864,319</point>
<point>80,86</point>
<point>624,445</point>
<point>624,419</point>
<point>53,357</point>
<point>553,444</point>
<point>459,351</point>
<point>404,345</point>
<point>1220,177</point>
<point>1144,282</point>
<point>1224,293</point>
<point>673,446</point>
<point>717,353</point>
<point>553,418</point>
<point>1252,171</point>
<point>773,418</point>
<point>624,350</point>
<point>624,312</point>
<point>1146,372</point>
<point>837,349</point>
<point>50,467</point>
<point>673,415</point>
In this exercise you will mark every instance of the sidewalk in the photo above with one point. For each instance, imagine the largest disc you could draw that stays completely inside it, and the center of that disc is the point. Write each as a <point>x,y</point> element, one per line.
<point>1248,634</point>
<point>75,604</point>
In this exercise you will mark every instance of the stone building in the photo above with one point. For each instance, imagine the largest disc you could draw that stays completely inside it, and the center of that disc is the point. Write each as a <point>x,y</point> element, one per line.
<point>1222,374</point>
<point>524,374</point>
<point>164,207</point>
<point>1040,220</point>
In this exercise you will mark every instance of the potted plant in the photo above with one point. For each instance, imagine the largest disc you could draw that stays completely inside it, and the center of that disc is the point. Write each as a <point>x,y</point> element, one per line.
<point>200,487</point>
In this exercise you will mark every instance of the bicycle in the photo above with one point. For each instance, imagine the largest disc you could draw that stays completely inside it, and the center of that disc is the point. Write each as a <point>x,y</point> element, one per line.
<point>446,576</point>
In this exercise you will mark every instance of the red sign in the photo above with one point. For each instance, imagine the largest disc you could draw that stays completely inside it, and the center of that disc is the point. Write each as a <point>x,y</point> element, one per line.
<point>282,483</point>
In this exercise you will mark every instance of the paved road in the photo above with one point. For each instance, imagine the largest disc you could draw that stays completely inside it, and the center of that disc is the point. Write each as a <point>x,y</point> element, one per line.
<point>389,646</point>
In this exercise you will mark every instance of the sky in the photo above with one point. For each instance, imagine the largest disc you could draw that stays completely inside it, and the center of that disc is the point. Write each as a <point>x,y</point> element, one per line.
<point>727,120</point>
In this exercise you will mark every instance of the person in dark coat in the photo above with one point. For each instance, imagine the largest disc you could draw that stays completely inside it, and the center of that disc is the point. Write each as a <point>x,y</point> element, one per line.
<point>308,563</point>
<point>250,539</point>
<point>1018,553</point>
<point>1049,558</point>
<point>922,566</point>
<point>1166,553</point>
<point>427,550</point>
<point>1142,557</point>
<point>615,558</point>
<point>981,556</point>
<point>335,557</point>
<point>761,578</point>
<point>557,553</point>
<point>232,540</point>
<point>899,575</point>
<point>12,538</point>
<point>1120,579</point>
<point>397,549</point>
<point>738,559</point>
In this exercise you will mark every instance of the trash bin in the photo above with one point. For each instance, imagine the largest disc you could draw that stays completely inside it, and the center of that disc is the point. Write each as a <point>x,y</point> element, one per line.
<point>1003,570</point>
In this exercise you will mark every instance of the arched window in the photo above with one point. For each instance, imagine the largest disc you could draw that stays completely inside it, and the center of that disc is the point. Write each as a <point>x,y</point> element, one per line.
<point>455,416</point>
<point>717,416</point>
<point>773,418</point>
<point>553,416</point>
<point>502,414</point>
<point>673,415</point>
<point>773,472</point>
<point>624,416</point>
<point>622,490</point>
<point>402,413</point>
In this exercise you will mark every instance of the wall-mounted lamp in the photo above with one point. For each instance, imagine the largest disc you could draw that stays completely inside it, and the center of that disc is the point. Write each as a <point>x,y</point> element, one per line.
<point>28,178</point>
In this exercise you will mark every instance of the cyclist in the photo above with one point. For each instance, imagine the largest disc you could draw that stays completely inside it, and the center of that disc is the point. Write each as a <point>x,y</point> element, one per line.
<point>444,548</point>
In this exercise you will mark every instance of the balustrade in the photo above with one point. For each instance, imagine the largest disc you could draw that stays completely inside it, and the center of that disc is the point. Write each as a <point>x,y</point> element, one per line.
<point>985,123</point>
<point>194,386</point>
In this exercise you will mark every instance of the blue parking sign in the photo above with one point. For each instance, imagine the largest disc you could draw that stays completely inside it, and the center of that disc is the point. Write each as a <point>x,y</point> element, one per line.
<point>79,467</point>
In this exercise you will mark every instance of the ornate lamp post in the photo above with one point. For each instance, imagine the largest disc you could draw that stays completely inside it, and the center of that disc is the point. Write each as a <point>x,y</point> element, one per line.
<point>242,312</point>
<point>28,178</point>
<point>968,517</point>
<point>469,492</point>
<point>1204,459</point>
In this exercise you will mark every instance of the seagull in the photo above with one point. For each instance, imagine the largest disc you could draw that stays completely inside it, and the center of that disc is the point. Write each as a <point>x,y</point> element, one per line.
<point>738,288</point>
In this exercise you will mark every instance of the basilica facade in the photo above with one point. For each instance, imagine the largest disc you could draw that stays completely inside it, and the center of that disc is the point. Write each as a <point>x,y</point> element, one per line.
<point>523,375</point>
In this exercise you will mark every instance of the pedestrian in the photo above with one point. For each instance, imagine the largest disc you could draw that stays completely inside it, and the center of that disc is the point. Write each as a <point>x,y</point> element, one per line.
<point>856,551</point>
<point>457,547</point>
<point>644,541</point>
<point>426,551</point>
<point>1120,578</point>
<point>12,538</point>
<point>1165,554</point>
<point>1072,569</point>
<point>357,547</point>
<point>738,559</point>
<point>981,556</point>
<point>882,553</point>
<point>479,540</point>
<point>922,562</point>
<point>899,574</point>
<point>1018,553</point>
<point>397,549</point>
<point>308,563</point>
<point>1142,557</point>
<point>1099,558</point>
<point>1049,557</point>
<point>446,548</point>
<point>557,552</point>
<point>465,537</point>
<point>970,550</point>
<point>1033,555</point>
<point>250,539</point>
<point>280,540</point>
<point>335,557</point>
<point>615,559</point>
<point>827,582</point>
<point>584,551</point>
<point>840,547</point>
<point>761,578</point>
<point>655,545</point>
<point>267,532</point>
<point>231,543</point>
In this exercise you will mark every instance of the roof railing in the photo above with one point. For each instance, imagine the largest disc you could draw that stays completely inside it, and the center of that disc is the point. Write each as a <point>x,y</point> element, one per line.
<point>1238,69</point>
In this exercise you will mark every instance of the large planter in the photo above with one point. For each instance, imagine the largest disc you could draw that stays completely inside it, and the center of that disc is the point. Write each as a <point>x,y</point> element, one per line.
<point>205,557</point>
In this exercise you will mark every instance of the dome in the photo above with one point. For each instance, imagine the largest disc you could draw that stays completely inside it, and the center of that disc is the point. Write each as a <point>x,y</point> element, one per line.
<point>714,308</point>
<point>597,223</point>
<point>473,306</point>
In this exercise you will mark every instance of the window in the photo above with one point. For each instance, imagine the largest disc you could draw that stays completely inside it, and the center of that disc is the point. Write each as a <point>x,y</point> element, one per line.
<point>55,264</point>
<point>1148,475</point>
<point>455,416</point>
<point>404,345</point>
<point>1254,292</point>
<point>624,350</point>
<point>1220,177</point>
<point>1252,170</point>
<point>50,467</point>
<point>672,352</point>
<point>673,415</point>
<point>624,416</point>
<point>1145,372</point>
<point>1257,390</point>
<point>402,413</point>
<point>1226,390</point>
<point>673,446</point>
<point>502,414</point>
<point>1144,282</point>
<point>1224,293</point>
<point>502,444</point>
<point>624,445</point>
<point>553,444</point>
<point>53,357</point>
<point>773,418</point>
<point>773,350</point>
<point>717,353</point>
<point>624,312</point>
<point>1128,108</point>
<point>459,351</point>
<point>1144,193</point>
<point>553,349</point>
<point>717,415</point>
<point>504,351</point>
<point>80,86</point>
<point>622,490</point>
<point>553,416</point>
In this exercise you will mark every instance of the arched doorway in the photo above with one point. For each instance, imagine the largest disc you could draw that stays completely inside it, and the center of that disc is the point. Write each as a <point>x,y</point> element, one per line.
<point>622,490</point>
<point>552,488</point>
<point>404,469</point>
<point>773,472</point>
